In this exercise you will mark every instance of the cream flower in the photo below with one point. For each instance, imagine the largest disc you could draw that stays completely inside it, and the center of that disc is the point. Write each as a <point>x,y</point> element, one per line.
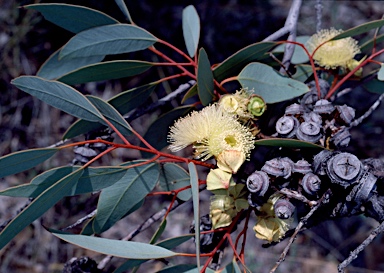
<point>332,54</point>
<point>236,103</point>
<point>211,131</point>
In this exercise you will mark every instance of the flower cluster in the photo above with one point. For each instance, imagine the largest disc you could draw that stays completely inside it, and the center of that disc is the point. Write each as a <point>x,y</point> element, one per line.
<point>332,54</point>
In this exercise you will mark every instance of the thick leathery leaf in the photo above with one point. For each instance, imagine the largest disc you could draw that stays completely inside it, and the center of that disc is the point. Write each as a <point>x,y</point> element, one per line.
<point>54,68</point>
<point>191,29</point>
<point>205,84</point>
<point>111,114</point>
<point>59,95</point>
<point>174,177</point>
<point>105,71</point>
<point>124,10</point>
<point>110,39</point>
<point>39,206</point>
<point>117,248</point>
<point>123,103</point>
<point>72,17</point>
<point>363,28</point>
<point>269,84</point>
<point>196,207</point>
<point>116,200</point>
<point>24,160</point>
<point>233,64</point>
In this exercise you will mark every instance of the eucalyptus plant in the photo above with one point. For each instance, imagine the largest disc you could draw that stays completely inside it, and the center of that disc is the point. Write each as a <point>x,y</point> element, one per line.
<point>221,124</point>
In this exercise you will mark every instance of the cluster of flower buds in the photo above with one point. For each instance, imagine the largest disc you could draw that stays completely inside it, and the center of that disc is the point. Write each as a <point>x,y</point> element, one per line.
<point>317,120</point>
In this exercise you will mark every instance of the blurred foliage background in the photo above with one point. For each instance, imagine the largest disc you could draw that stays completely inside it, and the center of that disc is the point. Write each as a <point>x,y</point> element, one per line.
<point>27,40</point>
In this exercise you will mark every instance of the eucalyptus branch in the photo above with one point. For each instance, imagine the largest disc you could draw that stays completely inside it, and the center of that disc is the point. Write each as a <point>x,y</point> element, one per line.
<point>368,113</point>
<point>319,14</point>
<point>353,255</point>
<point>81,220</point>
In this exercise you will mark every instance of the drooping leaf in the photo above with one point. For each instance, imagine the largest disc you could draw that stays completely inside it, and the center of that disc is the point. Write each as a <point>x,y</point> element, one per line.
<point>123,103</point>
<point>205,84</point>
<point>59,95</point>
<point>39,206</point>
<point>233,64</point>
<point>157,132</point>
<point>191,29</point>
<point>158,232</point>
<point>299,55</point>
<point>72,17</point>
<point>119,198</point>
<point>117,248</point>
<point>174,177</point>
<point>54,68</point>
<point>110,39</point>
<point>24,160</point>
<point>269,84</point>
<point>303,72</point>
<point>124,10</point>
<point>368,45</point>
<point>175,241</point>
<point>105,71</point>
<point>380,74</point>
<point>363,28</point>
<point>289,143</point>
<point>196,208</point>
<point>111,114</point>
<point>190,93</point>
<point>374,86</point>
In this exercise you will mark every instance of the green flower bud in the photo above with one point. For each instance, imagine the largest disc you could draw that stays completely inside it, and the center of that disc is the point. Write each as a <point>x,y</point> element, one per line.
<point>257,106</point>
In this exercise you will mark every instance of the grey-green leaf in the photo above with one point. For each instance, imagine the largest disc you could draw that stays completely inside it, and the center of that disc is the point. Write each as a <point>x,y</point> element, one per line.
<point>117,248</point>
<point>59,95</point>
<point>123,103</point>
<point>54,68</point>
<point>191,29</point>
<point>72,17</point>
<point>303,72</point>
<point>124,10</point>
<point>39,206</point>
<point>196,208</point>
<point>289,143</point>
<point>112,115</point>
<point>205,84</point>
<point>105,71</point>
<point>233,64</point>
<point>24,160</point>
<point>174,177</point>
<point>380,74</point>
<point>269,84</point>
<point>119,198</point>
<point>299,55</point>
<point>110,39</point>
<point>363,28</point>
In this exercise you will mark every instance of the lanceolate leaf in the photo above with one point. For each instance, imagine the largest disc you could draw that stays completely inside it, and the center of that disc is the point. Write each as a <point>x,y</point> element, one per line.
<point>123,103</point>
<point>205,83</point>
<point>368,45</point>
<point>290,143</point>
<point>93,179</point>
<point>190,93</point>
<point>54,68</point>
<point>104,40</point>
<point>191,29</point>
<point>233,64</point>
<point>124,9</point>
<point>177,268</point>
<point>174,177</point>
<point>196,208</point>
<point>111,114</point>
<point>24,160</point>
<point>157,132</point>
<point>59,95</point>
<point>39,206</point>
<point>105,71</point>
<point>71,17</point>
<point>117,248</point>
<point>269,84</point>
<point>363,28</point>
<point>119,198</point>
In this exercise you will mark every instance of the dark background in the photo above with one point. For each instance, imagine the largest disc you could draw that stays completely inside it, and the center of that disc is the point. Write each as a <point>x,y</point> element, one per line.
<point>27,40</point>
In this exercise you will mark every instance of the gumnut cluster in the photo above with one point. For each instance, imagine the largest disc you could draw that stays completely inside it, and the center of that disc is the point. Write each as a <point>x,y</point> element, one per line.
<point>317,120</point>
